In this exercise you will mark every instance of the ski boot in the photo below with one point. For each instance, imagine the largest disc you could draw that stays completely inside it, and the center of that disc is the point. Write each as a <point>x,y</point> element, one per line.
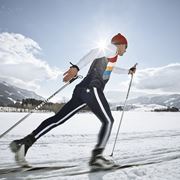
<point>20,148</point>
<point>98,162</point>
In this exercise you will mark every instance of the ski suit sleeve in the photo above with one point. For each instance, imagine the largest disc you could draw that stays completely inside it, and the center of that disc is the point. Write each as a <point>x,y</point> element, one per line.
<point>94,54</point>
<point>119,70</point>
<point>89,57</point>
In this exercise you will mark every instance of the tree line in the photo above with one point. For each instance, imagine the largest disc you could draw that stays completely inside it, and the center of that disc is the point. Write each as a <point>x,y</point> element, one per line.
<point>31,103</point>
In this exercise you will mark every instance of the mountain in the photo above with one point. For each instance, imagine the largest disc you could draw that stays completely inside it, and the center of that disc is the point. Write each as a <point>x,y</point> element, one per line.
<point>172,100</point>
<point>150,103</point>
<point>10,94</point>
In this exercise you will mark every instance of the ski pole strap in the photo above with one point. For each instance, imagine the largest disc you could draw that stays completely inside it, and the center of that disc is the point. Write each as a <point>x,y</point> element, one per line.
<point>76,77</point>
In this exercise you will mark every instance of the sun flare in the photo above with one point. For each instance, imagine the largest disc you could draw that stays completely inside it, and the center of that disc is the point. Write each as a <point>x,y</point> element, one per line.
<point>102,45</point>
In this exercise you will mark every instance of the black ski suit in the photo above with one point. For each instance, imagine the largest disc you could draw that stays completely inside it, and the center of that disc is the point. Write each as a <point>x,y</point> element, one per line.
<point>88,92</point>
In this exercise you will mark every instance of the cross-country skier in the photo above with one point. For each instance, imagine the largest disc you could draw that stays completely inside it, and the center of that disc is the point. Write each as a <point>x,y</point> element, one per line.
<point>88,92</point>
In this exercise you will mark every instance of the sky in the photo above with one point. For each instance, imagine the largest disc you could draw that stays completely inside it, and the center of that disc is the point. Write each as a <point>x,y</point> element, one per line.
<point>39,38</point>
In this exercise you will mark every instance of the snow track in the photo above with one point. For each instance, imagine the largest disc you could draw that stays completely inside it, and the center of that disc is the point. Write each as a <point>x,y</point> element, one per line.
<point>157,151</point>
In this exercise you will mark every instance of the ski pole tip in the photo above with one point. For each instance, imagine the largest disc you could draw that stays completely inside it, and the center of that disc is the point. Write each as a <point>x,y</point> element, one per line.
<point>111,155</point>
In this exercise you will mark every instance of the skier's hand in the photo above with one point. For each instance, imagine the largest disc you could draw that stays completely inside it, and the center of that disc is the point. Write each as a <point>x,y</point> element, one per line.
<point>132,70</point>
<point>71,73</point>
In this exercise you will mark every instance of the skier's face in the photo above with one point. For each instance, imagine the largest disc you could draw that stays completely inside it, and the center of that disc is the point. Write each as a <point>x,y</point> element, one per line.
<point>121,49</point>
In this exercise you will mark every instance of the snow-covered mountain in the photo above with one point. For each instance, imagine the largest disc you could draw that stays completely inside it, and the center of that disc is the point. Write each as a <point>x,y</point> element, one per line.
<point>10,94</point>
<point>172,100</point>
<point>149,103</point>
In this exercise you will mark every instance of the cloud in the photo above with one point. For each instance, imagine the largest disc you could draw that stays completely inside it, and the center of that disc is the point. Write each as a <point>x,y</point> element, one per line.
<point>20,62</point>
<point>162,79</point>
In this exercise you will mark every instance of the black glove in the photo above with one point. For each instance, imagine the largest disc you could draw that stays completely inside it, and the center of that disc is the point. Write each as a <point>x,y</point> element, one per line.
<point>74,66</point>
<point>132,70</point>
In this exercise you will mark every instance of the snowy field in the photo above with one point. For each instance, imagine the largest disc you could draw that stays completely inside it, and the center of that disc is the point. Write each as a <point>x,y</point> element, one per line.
<point>146,138</point>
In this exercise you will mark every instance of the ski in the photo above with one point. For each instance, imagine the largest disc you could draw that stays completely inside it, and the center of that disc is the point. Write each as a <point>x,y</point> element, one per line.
<point>73,169</point>
<point>116,167</point>
<point>33,168</point>
<point>48,168</point>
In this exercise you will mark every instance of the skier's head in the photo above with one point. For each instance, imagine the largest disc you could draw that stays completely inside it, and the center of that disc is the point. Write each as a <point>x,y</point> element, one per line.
<point>119,39</point>
<point>120,42</point>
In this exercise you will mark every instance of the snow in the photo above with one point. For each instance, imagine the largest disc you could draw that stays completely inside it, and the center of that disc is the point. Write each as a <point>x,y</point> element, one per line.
<point>169,100</point>
<point>19,92</point>
<point>8,93</point>
<point>148,107</point>
<point>12,100</point>
<point>5,83</point>
<point>145,137</point>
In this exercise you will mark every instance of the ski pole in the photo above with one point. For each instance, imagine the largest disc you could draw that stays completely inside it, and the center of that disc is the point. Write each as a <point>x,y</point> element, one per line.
<point>120,122</point>
<point>40,105</point>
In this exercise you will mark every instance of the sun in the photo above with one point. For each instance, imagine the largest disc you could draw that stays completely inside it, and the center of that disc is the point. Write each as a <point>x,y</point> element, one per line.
<point>102,45</point>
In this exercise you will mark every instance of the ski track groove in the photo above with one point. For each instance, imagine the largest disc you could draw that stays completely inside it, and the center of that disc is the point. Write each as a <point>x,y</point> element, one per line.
<point>159,155</point>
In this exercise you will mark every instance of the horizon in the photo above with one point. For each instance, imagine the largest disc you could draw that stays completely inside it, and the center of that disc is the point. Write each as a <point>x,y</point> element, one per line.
<point>111,96</point>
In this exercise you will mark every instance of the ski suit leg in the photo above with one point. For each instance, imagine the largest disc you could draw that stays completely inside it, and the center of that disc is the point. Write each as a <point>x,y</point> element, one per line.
<point>67,111</point>
<point>97,102</point>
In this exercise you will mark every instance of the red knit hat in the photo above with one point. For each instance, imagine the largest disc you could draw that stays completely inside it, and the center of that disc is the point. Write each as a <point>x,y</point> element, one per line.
<point>119,39</point>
